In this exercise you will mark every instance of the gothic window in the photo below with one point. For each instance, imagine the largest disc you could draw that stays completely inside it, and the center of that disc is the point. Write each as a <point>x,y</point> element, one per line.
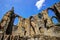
<point>54,20</point>
<point>51,13</point>
<point>16,21</point>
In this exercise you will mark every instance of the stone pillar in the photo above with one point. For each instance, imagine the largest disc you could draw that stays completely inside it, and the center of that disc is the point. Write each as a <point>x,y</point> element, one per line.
<point>20,30</point>
<point>27,27</point>
<point>32,29</point>
<point>47,20</point>
<point>35,25</point>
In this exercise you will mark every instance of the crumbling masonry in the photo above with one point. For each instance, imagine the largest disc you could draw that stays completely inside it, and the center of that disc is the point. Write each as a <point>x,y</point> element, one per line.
<point>37,27</point>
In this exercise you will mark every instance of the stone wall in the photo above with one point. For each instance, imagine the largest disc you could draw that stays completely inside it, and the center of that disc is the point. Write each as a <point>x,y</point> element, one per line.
<point>37,27</point>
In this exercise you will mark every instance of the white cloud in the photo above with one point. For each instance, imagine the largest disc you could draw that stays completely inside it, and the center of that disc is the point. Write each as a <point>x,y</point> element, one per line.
<point>39,4</point>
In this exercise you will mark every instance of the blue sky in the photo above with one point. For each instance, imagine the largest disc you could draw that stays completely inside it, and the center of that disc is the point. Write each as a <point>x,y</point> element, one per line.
<point>24,8</point>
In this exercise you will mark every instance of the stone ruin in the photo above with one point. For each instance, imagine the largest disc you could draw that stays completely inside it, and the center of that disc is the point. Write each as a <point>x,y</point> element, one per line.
<point>37,27</point>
